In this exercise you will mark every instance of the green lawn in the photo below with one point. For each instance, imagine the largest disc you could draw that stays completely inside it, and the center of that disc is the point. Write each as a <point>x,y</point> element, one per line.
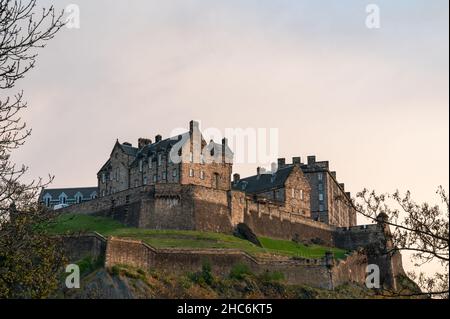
<point>71,223</point>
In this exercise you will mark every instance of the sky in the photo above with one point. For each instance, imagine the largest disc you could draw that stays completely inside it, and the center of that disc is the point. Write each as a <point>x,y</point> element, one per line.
<point>373,102</point>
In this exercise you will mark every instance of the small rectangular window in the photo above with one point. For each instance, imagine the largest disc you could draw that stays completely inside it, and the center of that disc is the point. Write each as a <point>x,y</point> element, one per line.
<point>301,194</point>
<point>321,208</point>
<point>155,178</point>
<point>202,174</point>
<point>191,157</point>
<point>293,193</point>
<point>145,180</point>
<point>320,176</point>
<point>159,159</point>
<point>174,173</point>
<point>150,159</point>
<point>191,172</point>
<point>164,176</point>
<point>140,166</point>
<point>320,196</point>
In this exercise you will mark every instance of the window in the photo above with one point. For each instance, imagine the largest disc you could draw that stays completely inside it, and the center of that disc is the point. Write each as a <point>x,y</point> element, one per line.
<point>140,166</point>
<point>159,159</point>
<point>174,173</point>
<point>47,201</point>
<point>145,180</point>
<point>191,157</point>
<point>301,194</point>
<point>164,176</point>
<point>293,193</point>
<point>202,174</point>
<point>103,178</point>
<point>136,183</point>
<point>191,172</point>
<point>216,180</point>
<point>111,177</point>
<point>320,176</point>
<point>150,160</point>
<point>202,158</point>
<point>62,199</point>
<point>321,208</point>
<point>78,199</point>
<point>320,186</point>
<point>117,173</point>
<point>320,196</point>
<point>155,178</point>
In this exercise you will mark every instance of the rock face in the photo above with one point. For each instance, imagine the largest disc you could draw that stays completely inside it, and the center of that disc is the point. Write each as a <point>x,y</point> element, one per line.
<point>244,232</point>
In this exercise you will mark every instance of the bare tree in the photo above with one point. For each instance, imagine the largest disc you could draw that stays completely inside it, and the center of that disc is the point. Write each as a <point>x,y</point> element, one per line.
<point>421,229</point>
<point>26,253</point>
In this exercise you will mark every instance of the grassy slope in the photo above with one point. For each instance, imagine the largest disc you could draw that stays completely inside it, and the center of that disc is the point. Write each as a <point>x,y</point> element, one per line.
<point>187,239</point>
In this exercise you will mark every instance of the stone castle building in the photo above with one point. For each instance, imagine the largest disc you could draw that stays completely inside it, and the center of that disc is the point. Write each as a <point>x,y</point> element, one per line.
<point>184,182</point>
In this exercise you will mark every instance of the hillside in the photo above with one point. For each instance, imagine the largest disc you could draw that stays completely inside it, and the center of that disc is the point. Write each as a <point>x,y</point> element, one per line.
<point>124,281</point>
<point>71,223</point>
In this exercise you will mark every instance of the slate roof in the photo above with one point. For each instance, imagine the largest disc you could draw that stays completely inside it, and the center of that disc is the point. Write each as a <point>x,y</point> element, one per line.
<point>70,192</point>
<point>129,150</point>
<point>265,182</point>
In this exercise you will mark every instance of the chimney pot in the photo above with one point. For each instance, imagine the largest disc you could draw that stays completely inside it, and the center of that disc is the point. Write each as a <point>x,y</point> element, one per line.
<point>296,160</point>
<point>158,138</point>
<point>236,178</point>
<point>281,162</point>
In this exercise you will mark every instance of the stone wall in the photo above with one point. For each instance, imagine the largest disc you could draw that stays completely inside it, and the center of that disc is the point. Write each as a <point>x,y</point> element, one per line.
<point>271,221</point>
<point>322,273</point>
<point>311,272</point>
<point>78,247</point>
<point>358,236</point>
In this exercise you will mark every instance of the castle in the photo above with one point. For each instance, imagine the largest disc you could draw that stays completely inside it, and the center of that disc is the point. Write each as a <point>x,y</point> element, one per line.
<point>299,190</point>
<point>184,183</point>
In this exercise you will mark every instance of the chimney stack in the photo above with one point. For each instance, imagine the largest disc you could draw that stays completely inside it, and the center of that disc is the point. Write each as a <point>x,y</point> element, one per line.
<point>333,174</point>
<point>296,160</point>
<point>273,167</point>
<point>281,163</point>
<point>342,186</point>
<point>158,138</point>
<point>311,160</point>
<point>142,142</point>
<point>193,125</point>
<point>236,178</point>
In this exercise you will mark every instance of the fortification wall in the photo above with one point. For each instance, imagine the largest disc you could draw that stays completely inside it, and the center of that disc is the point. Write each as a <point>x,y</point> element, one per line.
<point>358,236</point>
<point>312,272</point>
<point>78,247</point>
<point>351,269</point>
<point>266,219</point>
<point>322,273</point>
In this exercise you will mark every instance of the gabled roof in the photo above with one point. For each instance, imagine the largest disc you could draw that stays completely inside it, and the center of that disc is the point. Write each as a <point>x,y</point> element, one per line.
<point>129,150</point>
<point>70,192</point>
<point>165,144</point>
<point>265,181</point>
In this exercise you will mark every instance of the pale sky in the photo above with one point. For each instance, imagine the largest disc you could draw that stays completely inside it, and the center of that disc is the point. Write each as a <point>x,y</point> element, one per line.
<point>374,102</point>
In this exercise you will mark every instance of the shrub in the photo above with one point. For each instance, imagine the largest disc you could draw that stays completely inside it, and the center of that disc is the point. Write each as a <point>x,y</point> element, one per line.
<point>204,277</point>
<point>240,271</point>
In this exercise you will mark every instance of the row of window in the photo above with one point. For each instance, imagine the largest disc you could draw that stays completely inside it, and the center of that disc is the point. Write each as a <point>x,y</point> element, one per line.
<point>65,200</point>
